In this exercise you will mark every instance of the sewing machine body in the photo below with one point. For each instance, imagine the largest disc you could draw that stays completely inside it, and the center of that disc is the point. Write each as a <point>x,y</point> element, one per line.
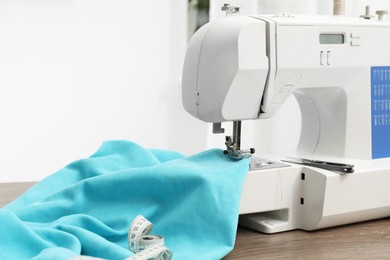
<point>308,198</point>
<point>339,70</point>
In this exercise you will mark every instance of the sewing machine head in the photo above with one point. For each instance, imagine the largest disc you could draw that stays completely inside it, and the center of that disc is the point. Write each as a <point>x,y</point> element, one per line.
<point>242,68</point>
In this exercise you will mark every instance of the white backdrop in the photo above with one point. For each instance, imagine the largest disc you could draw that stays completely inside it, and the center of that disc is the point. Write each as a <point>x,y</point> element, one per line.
<point>323,7</point>
<point>76,73</point>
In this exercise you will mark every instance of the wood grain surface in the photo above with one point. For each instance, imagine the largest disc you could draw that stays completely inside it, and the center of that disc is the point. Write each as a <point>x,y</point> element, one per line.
<point>9,191</point>
<point>367,240</point>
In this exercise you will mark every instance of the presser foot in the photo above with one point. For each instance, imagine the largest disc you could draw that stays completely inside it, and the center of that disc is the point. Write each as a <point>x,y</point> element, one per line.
<point>234,152</point>
<point>233,143</point>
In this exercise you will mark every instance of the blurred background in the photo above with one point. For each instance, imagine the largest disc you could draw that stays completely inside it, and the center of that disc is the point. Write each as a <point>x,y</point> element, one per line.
<point>76,73</point>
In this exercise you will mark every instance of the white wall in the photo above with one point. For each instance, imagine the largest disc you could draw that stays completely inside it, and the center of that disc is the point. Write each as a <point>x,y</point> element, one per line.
<point>280,134</point>
<point>323,7</point>
<point>76,73</point>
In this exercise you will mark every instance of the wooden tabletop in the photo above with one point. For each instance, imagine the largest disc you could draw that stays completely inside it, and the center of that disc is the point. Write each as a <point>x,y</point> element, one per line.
<point>367,240</point>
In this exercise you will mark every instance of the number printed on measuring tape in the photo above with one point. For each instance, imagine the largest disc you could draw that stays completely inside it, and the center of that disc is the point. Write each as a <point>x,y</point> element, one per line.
<point>156,253</point>
<point>146,246</point>
<point>138,228</point>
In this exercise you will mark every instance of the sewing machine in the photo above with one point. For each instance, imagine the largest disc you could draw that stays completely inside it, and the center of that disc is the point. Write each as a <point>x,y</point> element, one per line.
<point>338,68</point>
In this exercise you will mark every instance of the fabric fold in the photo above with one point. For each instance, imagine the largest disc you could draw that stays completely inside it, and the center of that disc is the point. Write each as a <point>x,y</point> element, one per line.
<point>86,208</point>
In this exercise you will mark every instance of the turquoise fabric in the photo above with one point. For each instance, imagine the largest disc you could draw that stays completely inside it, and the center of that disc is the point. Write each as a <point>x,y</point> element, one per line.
<point>87,207</point>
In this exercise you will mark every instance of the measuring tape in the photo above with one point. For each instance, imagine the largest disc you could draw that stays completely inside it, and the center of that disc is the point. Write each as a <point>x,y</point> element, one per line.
<point>143,245</point>
<point>146,246</point>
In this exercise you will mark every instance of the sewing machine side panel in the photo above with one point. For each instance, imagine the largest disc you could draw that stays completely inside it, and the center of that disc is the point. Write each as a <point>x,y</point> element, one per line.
<point>332,199</point>
<point>269,190</point>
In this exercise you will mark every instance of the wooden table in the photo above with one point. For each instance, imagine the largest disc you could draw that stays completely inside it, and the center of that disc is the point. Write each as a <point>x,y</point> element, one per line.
<point>367,240</point>
<point>10,191</point>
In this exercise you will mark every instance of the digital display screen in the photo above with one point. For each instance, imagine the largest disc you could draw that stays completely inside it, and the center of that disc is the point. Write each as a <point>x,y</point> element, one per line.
<point>331,38</point>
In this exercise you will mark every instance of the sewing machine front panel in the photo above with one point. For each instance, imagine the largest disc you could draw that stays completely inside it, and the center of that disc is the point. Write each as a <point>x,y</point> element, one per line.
<point>313,60</point>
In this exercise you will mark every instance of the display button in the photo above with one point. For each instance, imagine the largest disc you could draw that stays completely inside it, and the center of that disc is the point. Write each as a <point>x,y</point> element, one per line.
<point>355,35</point>
<point>328,57</point>
<point>355,42</point>
<point>322,58</point>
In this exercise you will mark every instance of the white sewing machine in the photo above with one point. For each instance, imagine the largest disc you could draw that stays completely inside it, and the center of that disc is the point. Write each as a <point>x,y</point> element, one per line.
<point>338,68</point>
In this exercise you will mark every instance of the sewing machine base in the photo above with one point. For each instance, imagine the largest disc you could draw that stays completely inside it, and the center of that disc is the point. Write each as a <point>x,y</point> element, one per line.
<point>300,197</point>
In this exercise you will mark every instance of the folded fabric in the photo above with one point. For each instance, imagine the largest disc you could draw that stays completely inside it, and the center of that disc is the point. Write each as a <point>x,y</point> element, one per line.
<point>87,207</point>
